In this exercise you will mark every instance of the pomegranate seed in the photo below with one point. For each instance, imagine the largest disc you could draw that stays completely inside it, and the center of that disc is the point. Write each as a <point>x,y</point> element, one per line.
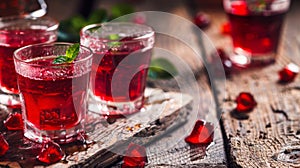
<point>135,156</point>
<point>202,20</point>
<point>3,145</point>
<point>288,73</point>
<point>245,102</point>
<point>202,133</point>
<point>14,122</point>
<point>50,153</point>
<point>226,28</point>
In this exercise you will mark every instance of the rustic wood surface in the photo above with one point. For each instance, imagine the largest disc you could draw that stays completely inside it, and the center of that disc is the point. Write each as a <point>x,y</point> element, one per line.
<point>269,135</point>
<point>104,144</point>
<point>167,130</point>
<point>106,139</point>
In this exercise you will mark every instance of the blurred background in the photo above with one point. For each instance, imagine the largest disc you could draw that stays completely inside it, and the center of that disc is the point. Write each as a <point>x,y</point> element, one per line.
<point>70,7</point>
<point>75,14</point>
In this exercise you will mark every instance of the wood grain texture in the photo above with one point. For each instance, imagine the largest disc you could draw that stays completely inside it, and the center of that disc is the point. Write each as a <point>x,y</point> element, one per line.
<point>269,135</point>
<point>183,155</point>
<point>158,134</point>
<point>106,141</point>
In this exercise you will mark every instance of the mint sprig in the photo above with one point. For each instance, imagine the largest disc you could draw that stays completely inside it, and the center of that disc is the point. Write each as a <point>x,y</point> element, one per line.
<point>71,54</point>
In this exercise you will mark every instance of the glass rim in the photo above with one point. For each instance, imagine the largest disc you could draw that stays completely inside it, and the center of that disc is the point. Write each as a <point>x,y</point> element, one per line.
<point>285,5</point>
<point>85,31</point>
<point>52,27</point>
<point>16,52</point>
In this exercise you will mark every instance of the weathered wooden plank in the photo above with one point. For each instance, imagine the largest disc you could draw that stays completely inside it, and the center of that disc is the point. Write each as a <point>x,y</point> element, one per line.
<point>269,135</point>
<point>105,139</point>
<point>181,154</point>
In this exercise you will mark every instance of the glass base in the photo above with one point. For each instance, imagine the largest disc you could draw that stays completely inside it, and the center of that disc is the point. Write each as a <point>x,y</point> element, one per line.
<point>115,109</point>
<point>10,100</point>
<point>59,136</point>
<point>243,59</point>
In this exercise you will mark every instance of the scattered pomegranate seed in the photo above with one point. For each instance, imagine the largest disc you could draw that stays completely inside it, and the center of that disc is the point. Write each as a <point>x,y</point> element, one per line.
<point>3,145</point>
<point>288,73</point>
<point>203,133</point>
<point>202,20</point>
<point>135,156</point>
<point>50,153</point>
<point>14,122</point>
<point>226,28</point>
<point>245,102</point>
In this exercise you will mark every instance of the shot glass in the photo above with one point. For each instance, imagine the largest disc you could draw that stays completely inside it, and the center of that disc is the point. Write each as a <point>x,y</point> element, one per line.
<point>122,53</point>
<point>16,32</point>
<point>255,29</point>
<point>53,96</point>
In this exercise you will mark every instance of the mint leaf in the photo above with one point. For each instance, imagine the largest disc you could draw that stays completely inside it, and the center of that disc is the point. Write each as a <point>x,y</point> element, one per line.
<point>71,54</point>
<point>114,37</point>
<point>60,59</point>
<point>161,68</point>
<point>114,43</point>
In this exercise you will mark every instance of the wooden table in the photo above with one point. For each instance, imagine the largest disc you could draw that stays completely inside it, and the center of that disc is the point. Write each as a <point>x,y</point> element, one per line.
<point>269,136</point>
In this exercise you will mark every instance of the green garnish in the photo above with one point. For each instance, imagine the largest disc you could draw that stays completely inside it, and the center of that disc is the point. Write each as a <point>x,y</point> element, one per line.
<point>161,68</point>
<point>114,37</point>
<point>259,6</point>
<point>70,56</point>
<point>120,9</point>
<point>114,43</point>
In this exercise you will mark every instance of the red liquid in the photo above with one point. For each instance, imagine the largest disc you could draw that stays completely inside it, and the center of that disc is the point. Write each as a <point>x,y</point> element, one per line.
<point>54,104</point>
<point>256,34</point>
<point>121,75</point>
<point>10,40</point>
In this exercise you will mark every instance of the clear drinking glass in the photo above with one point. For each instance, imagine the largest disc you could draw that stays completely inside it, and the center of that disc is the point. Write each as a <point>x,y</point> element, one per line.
<point>120,65</point>
<point>16,32</point>
<point>53,96</point>
<point>255,29</point>
<point>34,8</point>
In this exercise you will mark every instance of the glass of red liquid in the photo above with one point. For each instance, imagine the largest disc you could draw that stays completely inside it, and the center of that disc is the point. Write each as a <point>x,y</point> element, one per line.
<point>255,29</point>
<point>53,96</point>
<point>122,53</point>
<point>16,32</point>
